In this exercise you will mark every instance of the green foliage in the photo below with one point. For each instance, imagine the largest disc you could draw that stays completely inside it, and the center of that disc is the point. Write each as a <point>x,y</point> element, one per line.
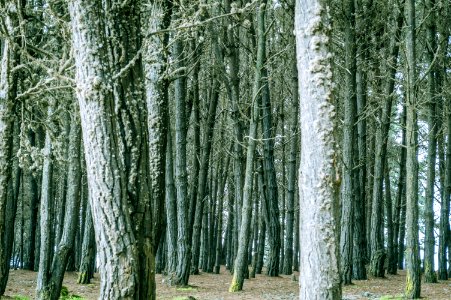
<point>19,297</point>
<point>66,295</point>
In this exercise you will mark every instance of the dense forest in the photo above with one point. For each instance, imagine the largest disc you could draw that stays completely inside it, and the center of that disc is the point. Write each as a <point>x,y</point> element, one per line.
<point>143,137</point>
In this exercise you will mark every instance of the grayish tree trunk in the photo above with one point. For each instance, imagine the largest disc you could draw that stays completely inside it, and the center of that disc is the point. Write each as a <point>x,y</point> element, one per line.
<point>349,184</point>
<point>116,242</point>
<point>288,263</point>
<point>241,260</point>
<point>8,91</point>
<point>47,215</point>
<point>51,287</point>
<point>319,264</point>
<point>413,278</point>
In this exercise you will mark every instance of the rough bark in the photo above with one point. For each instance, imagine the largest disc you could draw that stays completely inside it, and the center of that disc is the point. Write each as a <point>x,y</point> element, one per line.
<point>109,197</point>
<point>318,224</point>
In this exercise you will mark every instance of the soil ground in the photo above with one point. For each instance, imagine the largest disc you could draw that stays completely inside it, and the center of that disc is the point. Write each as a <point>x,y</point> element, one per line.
<point>215,287</point>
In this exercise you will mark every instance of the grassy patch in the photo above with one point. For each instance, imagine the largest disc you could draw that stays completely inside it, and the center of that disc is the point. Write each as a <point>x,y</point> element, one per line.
<point>188,288</point>
<point>390,297</point>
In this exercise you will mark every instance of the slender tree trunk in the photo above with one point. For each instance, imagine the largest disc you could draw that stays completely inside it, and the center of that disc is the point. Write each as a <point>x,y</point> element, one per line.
<point>288,263</point>
<point>184,246</point>
<point>203,173</point>
<point>391,259</point>
<point>241,260</point>
<point>413,279</point>
<point>8,91</point>
<point>348,184</point>
<point>268,163</point>
<point>51,288</point>
<point>359,254</point>
<point>86,272</point>
<point>429,240</point>
<point>171,211</point>
<point>47,216</point>
<point>318,223</point>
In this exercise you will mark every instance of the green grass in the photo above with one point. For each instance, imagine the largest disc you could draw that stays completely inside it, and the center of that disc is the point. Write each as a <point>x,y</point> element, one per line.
<point>188,288</point>
<point>390,297</point>
<point>19,297</point>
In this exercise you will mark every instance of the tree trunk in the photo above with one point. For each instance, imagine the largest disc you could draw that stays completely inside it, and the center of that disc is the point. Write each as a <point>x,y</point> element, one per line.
<point>241,260</point>
<point>86,272</point>
<point>291,186</point>
<point>268,163</point>
<point>203,173</point>
<point>318,224</point>
<point>171,212</point>
<point>359,255</point>
<point>51,287</point>
<point>184,246</point>
<point>47,216</point>
<point>109,198</point>
<point>429,240</point>
<point>8,91</point>
<point>413,279</point>
<point>348,187</point>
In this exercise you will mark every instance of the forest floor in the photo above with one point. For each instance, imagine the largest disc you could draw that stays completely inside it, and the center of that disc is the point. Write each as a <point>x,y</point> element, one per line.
<point>206,286</point>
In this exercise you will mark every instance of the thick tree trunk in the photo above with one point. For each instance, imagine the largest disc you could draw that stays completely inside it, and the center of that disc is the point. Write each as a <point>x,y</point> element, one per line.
<point>413,278</point>
<point>317,175</point>
<point>109,195</point>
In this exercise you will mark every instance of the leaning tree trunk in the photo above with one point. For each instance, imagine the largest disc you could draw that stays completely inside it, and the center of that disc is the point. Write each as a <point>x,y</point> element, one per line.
<point>8,91</point>
<point>317,174</point>
<point>241,260</point>
<point>413,279</point>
